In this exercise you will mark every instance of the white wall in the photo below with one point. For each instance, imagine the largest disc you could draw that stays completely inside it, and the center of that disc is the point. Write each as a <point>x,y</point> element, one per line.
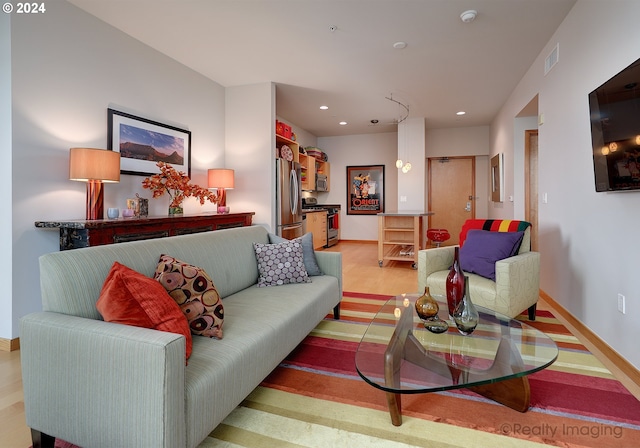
<point>6,266</point>
<point>250,150</point>
<point>67,68</point>
<point>587,240</point>
<point>411,149</point>
<point>450,142</point>
<point>373,149</point>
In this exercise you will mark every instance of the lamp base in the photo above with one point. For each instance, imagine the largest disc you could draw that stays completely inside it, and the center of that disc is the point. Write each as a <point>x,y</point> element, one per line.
<point>95,200</point>
<point>222,197</point>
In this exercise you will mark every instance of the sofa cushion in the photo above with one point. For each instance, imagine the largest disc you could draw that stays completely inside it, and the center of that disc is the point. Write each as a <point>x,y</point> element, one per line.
<point>130,298</point>
<point>281,263</point>
<point>483,248</point>
<point>193,290</point>
<point>308,252</point>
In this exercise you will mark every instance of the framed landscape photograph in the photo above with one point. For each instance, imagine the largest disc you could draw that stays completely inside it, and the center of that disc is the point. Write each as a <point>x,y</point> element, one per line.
<point>142,143</point>
<point>365,189</point>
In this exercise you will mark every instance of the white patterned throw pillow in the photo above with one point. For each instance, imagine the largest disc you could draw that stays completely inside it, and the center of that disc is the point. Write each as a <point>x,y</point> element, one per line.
<point>308,253</point>
<point>279,264</point>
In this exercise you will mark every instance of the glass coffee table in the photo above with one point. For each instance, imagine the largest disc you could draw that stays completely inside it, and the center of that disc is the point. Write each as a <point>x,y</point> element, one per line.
<point>398,355</point>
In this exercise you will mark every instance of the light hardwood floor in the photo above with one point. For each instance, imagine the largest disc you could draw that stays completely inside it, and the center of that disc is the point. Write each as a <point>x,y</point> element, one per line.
<point>361,273</point>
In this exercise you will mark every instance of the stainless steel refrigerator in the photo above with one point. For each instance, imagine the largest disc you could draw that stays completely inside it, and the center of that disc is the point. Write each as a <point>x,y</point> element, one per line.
<point>289,199</point>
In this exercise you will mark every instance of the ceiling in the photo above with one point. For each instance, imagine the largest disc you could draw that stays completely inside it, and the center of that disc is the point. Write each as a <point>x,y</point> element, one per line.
<point>340,53</point>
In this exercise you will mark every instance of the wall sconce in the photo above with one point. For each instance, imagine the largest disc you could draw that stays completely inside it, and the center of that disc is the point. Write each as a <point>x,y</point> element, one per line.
<point>222,179</point>
<point>94,166</point>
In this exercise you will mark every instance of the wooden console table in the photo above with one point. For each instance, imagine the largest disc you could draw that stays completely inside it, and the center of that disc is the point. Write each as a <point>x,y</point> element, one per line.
<point>75,234</point>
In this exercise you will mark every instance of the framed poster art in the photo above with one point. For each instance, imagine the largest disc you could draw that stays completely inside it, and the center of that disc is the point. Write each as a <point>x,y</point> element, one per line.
<point>365,189</point>
<point>142,143</point>
<point>497,178</point>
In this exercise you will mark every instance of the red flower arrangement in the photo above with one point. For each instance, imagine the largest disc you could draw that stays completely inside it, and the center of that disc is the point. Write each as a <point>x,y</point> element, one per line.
<point>177,185</point>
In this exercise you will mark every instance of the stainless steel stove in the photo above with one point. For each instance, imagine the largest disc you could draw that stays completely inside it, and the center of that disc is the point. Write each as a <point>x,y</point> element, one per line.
<point>333,217</point>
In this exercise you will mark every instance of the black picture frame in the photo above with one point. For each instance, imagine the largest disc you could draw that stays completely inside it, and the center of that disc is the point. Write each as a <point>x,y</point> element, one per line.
<point>365,189</point>
<point>142,143</point>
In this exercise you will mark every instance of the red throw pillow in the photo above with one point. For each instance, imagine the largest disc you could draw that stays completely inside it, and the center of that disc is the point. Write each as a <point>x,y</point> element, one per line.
<point>130,298</point>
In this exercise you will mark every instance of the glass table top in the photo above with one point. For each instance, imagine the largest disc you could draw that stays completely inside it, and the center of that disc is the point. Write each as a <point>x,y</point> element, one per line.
<point>399,355</point>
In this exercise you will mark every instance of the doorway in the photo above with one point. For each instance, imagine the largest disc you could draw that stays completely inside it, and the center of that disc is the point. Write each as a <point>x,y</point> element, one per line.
<point>531,184</point>
<point>451,194</point>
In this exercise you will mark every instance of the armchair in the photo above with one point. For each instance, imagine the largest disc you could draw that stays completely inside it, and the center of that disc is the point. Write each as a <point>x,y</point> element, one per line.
<point>517,284</point>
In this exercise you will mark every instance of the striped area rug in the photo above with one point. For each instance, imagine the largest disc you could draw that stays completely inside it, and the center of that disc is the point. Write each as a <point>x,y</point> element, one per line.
<point>315,398</point>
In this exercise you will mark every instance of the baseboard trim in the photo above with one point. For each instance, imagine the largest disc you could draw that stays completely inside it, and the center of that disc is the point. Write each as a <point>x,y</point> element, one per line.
<point>618,360</point>
<point>9,345</point>
<point>359,241</point>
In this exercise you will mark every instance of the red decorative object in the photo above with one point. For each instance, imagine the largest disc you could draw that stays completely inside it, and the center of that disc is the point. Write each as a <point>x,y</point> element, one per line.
<point>177,185</point>
<point>283,130</point>
<point>455,283</point>
<point>438,236</point>
<point>286,131</point>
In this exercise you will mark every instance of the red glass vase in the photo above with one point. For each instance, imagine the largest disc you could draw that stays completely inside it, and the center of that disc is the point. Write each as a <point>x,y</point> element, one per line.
<point>455,283</point>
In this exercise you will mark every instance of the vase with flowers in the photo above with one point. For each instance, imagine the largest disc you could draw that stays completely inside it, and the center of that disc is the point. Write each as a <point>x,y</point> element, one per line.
<point>178,186</point>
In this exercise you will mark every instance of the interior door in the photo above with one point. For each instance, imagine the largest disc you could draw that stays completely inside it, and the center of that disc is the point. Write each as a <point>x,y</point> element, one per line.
<point>451,194</point>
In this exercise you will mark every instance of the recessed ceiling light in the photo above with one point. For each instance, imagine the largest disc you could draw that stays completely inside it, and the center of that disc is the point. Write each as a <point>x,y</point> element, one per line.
<point>324,107</point>
<point>343,123</point>
<point>400,45</point>
<point>461,112</point>
<point>468,16</point>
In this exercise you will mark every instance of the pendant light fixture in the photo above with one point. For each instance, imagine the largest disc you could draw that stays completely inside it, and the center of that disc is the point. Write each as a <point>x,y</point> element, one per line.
<point>405,166</point>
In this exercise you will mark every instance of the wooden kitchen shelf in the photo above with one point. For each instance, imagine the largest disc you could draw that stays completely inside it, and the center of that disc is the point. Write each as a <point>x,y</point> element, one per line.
<point>400,236</point>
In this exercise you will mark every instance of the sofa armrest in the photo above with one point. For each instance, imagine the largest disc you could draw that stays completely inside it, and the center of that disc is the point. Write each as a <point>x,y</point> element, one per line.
<point>118,385</point>
<point>518,282</point>
<point>330,263</point>
<point>433,260</point>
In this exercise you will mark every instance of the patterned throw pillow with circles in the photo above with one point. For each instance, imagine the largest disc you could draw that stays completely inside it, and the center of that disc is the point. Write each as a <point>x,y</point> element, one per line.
<point>280,264</point>
<point>194,291</point>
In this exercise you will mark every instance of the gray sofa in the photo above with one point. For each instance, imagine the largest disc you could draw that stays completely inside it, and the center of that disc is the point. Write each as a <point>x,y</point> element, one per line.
<point>100,384</point>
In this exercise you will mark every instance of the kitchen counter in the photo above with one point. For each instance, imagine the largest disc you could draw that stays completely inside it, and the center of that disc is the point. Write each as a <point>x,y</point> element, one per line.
<point>406,213</point>
<point>401,234</point>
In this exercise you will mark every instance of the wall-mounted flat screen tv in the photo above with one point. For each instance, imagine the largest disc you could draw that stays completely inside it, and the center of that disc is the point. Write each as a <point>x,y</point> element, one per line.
<point>615,131</point>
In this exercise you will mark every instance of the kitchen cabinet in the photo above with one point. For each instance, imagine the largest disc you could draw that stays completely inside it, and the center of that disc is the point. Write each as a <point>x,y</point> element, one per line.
<point>308,172</point>
<point>323,167</point>
<point>400,236</point>
<point>310,167</point>
<point>317,225</point>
